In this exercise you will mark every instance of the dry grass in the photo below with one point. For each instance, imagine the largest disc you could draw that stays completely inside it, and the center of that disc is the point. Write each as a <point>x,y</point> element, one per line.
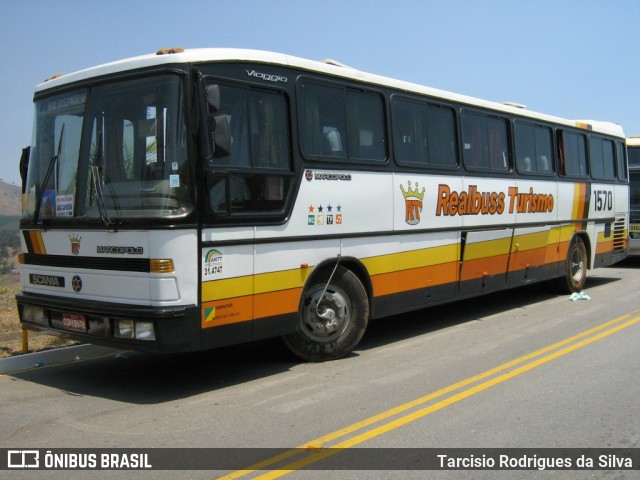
<point>10,329</point>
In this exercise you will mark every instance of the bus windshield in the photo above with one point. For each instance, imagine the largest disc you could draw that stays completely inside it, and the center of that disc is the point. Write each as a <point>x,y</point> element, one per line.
<point>112,152</point>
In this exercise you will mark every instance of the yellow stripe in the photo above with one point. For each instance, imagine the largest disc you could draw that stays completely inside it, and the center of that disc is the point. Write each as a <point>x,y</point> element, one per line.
<point>254,285</point>
<point>319,442</point>
<point>285,280</point>
<point>227,288</point>
<point>490,248</point>
<point>576,201</point>
<point>567,232</point>
<point>531,241</point>
<point>412,259</point>
<point>43,250</point>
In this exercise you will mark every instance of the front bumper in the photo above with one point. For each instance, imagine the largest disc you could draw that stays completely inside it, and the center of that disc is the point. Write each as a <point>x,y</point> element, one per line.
<point>176,329</point>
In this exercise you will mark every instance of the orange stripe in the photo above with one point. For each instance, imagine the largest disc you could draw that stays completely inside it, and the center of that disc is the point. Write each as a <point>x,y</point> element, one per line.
<point>225,312</point>
<point>250,307</point>
<point>527,258</point>
<point>277,303</point>
<point>405,280</point>
<point>37,242</point>
<point>473,269</point>
<point>604,247</point>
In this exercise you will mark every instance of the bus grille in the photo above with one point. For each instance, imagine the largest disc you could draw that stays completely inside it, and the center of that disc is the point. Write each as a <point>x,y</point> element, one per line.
<point>619,229</point>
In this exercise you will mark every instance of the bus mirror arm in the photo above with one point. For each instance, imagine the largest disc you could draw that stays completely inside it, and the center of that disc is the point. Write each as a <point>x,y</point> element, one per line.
<point>221,134</point>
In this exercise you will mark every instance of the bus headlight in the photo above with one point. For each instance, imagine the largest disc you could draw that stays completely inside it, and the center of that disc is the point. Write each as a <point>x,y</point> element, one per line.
<point>124,329</point>
<point>144,331</point>
<point>131,329</point>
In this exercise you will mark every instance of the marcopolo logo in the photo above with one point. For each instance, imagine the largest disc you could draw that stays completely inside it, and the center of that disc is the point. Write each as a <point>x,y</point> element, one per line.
<point>119,250</point>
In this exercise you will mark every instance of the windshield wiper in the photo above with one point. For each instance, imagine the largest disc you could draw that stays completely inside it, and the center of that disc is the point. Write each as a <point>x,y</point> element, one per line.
<point>52,164</point>
<point>97,177</point>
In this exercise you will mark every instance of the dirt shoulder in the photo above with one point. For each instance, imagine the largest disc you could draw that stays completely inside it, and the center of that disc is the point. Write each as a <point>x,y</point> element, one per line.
<point>10,329</point>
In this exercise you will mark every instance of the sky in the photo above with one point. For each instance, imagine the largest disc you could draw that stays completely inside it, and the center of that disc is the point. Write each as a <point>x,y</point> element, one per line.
<point>569,58</point>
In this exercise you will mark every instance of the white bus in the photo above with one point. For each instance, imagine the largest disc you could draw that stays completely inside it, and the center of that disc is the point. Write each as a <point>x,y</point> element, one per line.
<point>193,199</point>
<point>633,149</point>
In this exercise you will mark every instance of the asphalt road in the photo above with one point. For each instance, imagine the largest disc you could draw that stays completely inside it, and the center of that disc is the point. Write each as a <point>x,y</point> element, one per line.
<point>520,369</point>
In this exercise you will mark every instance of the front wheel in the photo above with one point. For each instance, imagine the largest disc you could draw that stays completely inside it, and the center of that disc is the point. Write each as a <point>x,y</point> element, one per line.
<point>333,315</point>
<point>575,268</point>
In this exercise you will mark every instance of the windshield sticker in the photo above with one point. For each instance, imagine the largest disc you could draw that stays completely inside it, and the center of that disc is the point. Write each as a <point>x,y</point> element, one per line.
<point>174,181</point>
<point>69,102</point>
<point>48,202</point>
<point>64,205</point>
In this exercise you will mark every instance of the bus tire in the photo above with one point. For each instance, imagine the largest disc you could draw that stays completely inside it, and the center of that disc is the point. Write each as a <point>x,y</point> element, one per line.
<point>330,325</point>
<point>575,268</point>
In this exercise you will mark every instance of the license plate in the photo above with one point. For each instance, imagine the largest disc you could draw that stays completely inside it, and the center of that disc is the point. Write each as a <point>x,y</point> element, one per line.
<point>77,323</point>
<point>635,227</point>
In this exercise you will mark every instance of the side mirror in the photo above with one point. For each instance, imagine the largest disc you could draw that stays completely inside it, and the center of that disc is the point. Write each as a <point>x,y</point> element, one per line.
<point>24,165</point>
<point>221,135</point>
<point>213,97</point>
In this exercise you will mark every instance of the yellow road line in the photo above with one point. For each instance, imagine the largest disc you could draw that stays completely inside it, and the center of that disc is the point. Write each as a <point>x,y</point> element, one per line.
<point>367,435</point>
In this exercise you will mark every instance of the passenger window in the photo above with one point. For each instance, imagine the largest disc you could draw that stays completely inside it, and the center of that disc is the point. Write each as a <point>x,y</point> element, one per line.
<point>572,154</point>
<point>534,152</point>
<point>485,142</point>
<point>621,161</point>
<point>365,118</point>
<point>424,134</point>
<point>342,123</point>
<point>601,156</point>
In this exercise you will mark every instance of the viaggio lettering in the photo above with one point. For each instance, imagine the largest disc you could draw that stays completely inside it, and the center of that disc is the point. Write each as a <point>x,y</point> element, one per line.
<point>267,76</point>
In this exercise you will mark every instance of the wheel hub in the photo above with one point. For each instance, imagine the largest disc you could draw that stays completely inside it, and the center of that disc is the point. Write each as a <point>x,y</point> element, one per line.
<point>325,318</point>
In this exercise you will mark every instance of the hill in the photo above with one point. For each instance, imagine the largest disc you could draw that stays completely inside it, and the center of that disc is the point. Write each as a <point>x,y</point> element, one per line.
<point>9,199</point>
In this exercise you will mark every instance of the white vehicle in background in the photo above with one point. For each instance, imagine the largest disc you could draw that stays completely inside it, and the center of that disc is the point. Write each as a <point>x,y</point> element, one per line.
<point>633,149</point>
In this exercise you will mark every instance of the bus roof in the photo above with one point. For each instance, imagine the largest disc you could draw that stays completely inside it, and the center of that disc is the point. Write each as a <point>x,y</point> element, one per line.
<point>329,67</point>
<point>633,142</point>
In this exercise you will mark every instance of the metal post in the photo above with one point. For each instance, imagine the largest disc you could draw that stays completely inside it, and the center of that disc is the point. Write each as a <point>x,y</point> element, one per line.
<point>25,341</point>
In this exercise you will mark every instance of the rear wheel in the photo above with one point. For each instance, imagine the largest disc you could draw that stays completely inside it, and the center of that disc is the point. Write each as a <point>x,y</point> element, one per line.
<point>575,268</point>
<point>333,316</point>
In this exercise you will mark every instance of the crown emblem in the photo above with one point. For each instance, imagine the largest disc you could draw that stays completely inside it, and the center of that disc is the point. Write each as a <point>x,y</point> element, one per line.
<point>75,243</point>
<point>412,193</point>
<point>413,203</point>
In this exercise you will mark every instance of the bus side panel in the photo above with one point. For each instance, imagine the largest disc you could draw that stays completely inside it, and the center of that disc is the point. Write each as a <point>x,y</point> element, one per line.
<point>408,271</point>
<point>484,261</point>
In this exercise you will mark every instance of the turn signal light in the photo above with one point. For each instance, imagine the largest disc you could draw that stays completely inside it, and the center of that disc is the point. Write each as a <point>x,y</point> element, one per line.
<point>161,265</point>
